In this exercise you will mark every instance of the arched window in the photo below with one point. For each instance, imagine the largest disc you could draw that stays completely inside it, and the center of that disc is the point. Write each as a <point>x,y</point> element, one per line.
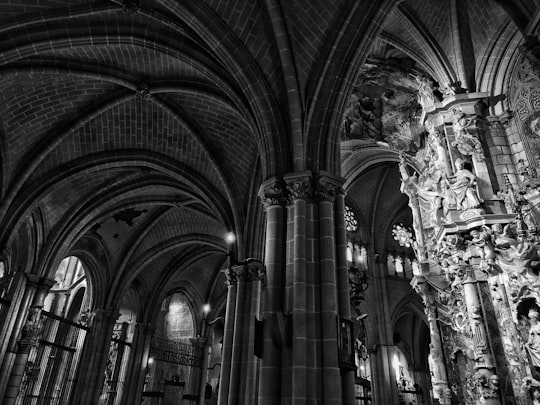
<point>175,351</point>
<point>67,297</point>
<point>177,320</point>
<point>53,360</point>
<point>351,222</point>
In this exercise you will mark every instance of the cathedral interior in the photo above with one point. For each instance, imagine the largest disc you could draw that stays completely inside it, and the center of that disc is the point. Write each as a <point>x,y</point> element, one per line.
<point>269,202</point>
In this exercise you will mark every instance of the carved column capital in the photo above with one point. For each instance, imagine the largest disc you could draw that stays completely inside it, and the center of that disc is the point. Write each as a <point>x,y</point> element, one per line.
<point>327,187</point>
<point>104,316</point>
<point>247,271</point>
<point>231,276</point>
<point>300,185</point>
<point>274,192</point>
<point>41,285</point>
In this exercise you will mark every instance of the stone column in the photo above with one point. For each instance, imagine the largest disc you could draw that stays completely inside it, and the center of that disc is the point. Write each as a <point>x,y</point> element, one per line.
<point>228,331</point>
<point>439,377</point>
<point>485,379</point>
<point>347,376</point>
<point>204,369</point>
<point>94,356</point>
<point>137,362</point>
<point>36,288</point>
<point>273,194</point>
<point>19,294</point>
<point>384,390</point>
<point>508,331</point>
<point>300,217</point>
<point>195,379</point>
<point>326,188</point>
<point>248,277</point>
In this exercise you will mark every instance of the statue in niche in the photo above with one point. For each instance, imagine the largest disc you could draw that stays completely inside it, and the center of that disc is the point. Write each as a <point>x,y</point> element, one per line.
<point>463,187</point>
<point>533,343</point>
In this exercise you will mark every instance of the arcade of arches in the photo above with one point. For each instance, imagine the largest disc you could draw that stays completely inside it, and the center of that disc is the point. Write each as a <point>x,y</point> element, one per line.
<point>269,202</point>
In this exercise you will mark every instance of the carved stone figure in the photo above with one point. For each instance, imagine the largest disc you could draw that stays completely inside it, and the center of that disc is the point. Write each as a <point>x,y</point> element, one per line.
<point>487,384</point>
<point>531,387</point>
<point>428,190</point>
<point>465,142</point>
<point>481,241</point>
<point>425,91</point>
<point>464,187</point>
<point>519,258</point>
<point>533,344</point>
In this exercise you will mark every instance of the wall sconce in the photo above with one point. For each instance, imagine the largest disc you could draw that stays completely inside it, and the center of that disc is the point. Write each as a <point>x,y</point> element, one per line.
<point>206,310</point>
<point>230,238</point>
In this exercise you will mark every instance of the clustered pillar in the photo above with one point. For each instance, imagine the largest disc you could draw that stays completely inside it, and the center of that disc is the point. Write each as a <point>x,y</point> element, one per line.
<point>239,363</point>
<point>306,292</point>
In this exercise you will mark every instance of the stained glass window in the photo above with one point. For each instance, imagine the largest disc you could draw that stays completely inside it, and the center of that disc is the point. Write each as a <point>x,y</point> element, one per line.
<point>351,222</point>
<point>403,234</point>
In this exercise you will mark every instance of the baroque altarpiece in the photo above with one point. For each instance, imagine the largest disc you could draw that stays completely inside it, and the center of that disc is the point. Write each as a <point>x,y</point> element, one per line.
<point>475,208</point>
